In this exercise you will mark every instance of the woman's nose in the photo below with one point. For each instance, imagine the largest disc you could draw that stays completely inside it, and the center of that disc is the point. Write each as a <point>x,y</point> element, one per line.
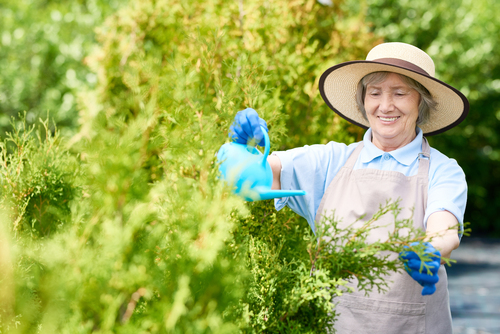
<point>386,103</point>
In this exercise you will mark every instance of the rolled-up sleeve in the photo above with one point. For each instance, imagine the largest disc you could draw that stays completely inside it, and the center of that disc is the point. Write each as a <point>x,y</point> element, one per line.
<point>447,188</point>
<point>310,168</point>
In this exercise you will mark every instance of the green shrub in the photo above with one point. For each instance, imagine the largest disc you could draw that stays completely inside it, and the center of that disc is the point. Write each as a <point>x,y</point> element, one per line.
<point>155,243</point>
<point>42,49</point>
<point>37,180</point>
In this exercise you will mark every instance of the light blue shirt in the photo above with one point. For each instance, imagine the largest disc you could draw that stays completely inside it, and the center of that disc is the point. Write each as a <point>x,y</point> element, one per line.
<point>312,168</point>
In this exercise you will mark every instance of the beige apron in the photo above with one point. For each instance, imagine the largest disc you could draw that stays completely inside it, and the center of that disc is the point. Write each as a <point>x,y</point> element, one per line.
<point>402,309</point>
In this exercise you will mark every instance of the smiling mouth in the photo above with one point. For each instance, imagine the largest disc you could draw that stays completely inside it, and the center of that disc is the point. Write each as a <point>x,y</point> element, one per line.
<point>388,119</point>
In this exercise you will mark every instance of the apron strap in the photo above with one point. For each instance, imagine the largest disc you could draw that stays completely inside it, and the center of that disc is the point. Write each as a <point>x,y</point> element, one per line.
<point>353,157</point>
<point>424,158</point>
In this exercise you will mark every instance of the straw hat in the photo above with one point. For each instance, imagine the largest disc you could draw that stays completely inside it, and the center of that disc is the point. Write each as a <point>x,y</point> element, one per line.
<point>339,83</point>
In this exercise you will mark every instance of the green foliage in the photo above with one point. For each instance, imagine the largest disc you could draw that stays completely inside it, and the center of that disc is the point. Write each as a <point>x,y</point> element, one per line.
<point>42,50</point>
<point>296,274</point>
<point>463,44</point>
<point>148,240</point>
<point>38,178</point>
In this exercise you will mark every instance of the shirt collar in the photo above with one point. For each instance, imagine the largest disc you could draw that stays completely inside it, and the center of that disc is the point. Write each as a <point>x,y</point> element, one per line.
<point>404,155</point>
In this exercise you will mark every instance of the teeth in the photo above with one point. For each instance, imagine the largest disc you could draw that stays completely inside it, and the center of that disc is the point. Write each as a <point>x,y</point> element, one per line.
<point>388,119</point>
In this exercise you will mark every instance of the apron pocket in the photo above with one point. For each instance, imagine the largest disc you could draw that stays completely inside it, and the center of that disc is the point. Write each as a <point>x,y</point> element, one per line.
<point>359,315</point>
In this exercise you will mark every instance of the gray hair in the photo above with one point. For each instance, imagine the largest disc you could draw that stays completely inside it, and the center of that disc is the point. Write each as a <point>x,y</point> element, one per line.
<point>427,102</point>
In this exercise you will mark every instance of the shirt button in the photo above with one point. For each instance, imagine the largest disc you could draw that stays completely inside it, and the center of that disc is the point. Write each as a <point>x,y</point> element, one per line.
<point>387,157</point>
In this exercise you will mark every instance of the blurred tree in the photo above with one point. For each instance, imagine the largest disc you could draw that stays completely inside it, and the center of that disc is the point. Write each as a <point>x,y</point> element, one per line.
<point>462,38</point>
<point>155,243</point>
<point>42,47</point>
<point>38,181</point>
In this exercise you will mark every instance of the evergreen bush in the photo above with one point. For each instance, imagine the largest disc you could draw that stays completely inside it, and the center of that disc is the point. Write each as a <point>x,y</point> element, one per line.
<point>42,45</point>
<point>38,178</point>
<point>151,241</point>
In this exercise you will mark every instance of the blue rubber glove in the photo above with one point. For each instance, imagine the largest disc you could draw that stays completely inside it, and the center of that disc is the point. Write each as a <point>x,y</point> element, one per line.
<point>425,276</point>
<point>246,126</point>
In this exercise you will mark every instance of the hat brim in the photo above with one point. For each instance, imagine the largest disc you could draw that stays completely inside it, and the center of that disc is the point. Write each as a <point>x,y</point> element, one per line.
<point>338,86</point>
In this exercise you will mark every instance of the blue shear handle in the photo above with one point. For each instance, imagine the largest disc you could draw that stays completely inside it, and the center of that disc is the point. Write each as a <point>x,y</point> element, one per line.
<point>267,145</point>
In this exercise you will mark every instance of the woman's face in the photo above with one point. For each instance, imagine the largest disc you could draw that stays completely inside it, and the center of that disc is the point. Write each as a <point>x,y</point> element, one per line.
<point>392,111</point>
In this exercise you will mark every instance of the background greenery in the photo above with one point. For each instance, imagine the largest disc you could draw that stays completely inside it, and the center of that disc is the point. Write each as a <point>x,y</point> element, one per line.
<point>44,45</point>
<point>112,217</point>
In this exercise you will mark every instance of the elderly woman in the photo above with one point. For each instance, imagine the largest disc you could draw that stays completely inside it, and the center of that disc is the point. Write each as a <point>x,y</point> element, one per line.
<point>393,94</point>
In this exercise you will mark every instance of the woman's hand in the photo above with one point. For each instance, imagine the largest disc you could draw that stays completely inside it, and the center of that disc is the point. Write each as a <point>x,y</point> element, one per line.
<point>423,269</point>
<point>247,126</point>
